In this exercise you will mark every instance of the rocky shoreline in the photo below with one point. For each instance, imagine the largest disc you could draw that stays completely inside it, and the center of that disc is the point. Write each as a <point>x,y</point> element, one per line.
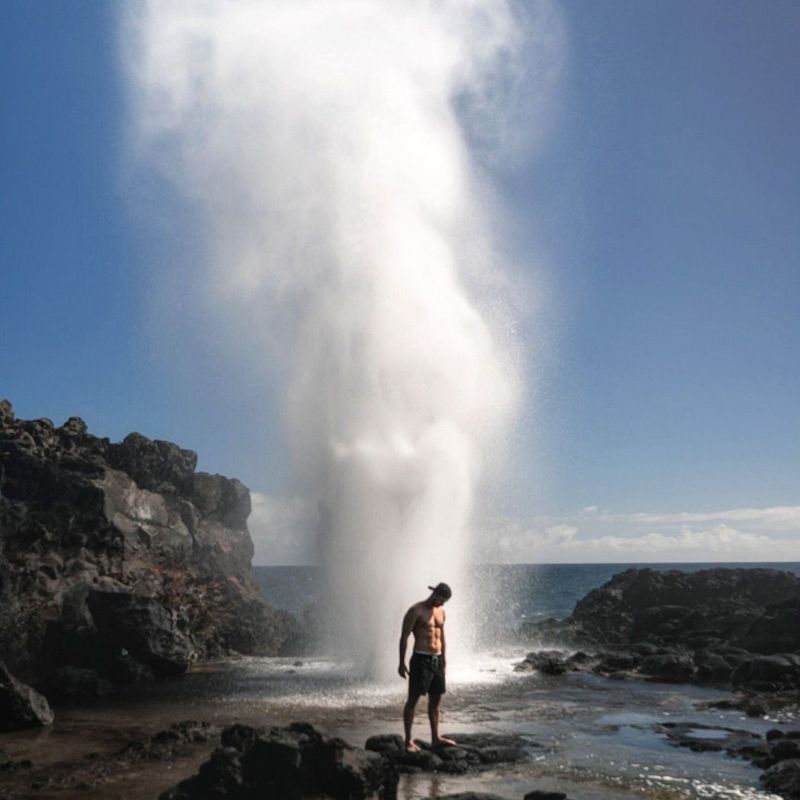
<point>737,629</point>
<point>119,564</point>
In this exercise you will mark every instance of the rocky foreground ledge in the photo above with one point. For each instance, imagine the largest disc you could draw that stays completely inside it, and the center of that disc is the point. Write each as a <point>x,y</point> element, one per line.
<point>119,563</point>
<point>297,762</point>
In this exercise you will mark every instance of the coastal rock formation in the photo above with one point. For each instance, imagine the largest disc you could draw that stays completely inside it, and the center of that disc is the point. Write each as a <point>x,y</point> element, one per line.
<point>293,762</point>
<point>738,627</point>
<point>754,609</point>
<point>118,561</point>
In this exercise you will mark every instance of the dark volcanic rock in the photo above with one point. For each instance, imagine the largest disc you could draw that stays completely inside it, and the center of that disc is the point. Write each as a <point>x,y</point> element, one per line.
<point>548,662</point>
<point>20,705</point>
<point>784,779</point>
<point>718,626</point>
<point>776,630</point>
<point>155,465</point>
<point>540,795</point>
<point>673,607</point>
<point>675,667</point>
<point>64,682</point>
<point>142,626</point>
<point>291,763</point>
<point>120,559</point>
<point>769,673</point>
<point>473,751</point>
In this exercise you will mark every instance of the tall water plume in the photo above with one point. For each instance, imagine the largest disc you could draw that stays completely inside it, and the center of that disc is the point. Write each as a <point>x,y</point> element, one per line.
<point>337,152</point>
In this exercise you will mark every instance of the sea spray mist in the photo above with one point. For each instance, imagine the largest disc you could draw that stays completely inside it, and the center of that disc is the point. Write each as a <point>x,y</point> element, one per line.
<point>337,155</point>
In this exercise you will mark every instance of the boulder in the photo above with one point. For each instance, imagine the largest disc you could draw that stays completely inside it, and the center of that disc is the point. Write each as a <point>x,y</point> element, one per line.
<point>777,630</point>
<point>615,662</point>
<point>472,752</point>
<point>672,667</point>
<point>768,673</point>
<point>293,762</point>
<point>20,705</point>
<point>783,778</point>
<point>143,627</point>
<point>548,662</point>
<point>155,465</point>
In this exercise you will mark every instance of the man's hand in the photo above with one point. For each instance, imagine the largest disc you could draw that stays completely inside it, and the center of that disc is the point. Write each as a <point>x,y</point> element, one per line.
<point>402,671</point>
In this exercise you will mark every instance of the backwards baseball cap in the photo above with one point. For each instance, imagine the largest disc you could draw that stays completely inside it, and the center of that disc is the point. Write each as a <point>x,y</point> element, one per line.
<point>441,590</point>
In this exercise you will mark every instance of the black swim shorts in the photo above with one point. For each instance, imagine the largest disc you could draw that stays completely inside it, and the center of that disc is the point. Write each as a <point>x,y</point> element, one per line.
<point>426,674</point>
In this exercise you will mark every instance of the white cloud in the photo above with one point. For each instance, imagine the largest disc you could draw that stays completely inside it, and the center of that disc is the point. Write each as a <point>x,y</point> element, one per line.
<point>284,530</point>
<point>592,535</point>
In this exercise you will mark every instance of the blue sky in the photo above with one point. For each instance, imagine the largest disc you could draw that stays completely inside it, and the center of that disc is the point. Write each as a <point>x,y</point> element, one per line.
<point>664,205</point>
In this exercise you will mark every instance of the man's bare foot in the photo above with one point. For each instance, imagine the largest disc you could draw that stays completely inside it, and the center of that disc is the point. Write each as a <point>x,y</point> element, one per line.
<point>443,741</point>
<point>411,747</point>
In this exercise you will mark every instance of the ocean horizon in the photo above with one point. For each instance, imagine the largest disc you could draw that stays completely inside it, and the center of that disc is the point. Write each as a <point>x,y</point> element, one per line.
<point>526,591</point>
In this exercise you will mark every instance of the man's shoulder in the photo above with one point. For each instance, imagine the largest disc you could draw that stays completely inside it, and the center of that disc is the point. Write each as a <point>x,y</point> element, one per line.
<point>415,609</point>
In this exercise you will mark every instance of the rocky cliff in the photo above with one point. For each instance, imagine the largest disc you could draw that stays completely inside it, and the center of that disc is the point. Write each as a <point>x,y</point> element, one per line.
<point>118,561</point>
<point>755,609</point>
<point>738,627</point>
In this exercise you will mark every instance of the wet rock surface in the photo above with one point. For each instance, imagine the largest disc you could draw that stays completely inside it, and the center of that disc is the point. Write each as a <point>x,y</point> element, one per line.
<point>295,761</point>
<point>472,752</point>
<point>778,753</point>
<point>95,771</point>
<point>736,628</point>
<point>21,706</point>
<point>784,779</point>
<point>119,562</point>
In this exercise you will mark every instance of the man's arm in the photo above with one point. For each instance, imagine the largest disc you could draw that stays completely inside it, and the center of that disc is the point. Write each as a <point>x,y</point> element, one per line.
<point>444,657</point>
<point>408,625</point>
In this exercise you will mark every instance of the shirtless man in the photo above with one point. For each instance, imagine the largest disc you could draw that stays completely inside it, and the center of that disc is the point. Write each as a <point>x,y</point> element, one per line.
<point>426,673</point>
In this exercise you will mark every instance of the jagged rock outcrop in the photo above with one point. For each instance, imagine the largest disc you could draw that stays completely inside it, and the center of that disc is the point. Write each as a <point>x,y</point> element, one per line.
<point>749,608</point>
<point>120,561</point>
<point>293,762</point>
<point>754,610</point>
<point>21,706</point>
<point>728,627</point>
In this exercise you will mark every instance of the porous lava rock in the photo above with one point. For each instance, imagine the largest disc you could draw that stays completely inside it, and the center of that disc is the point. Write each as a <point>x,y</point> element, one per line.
<point>472,752</point>
<point>720,626</point>
<point>783,778</point>
<point>120,559</point>
<point>292,763</point>
<point>745,607</point>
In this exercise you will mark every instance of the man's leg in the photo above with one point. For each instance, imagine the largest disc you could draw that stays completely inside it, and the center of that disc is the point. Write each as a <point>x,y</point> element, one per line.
<point>434,701</point>
<point>408,720</point>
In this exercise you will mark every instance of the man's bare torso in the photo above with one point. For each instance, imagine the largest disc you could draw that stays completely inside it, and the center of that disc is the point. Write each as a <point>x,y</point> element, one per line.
<point>428,626</point>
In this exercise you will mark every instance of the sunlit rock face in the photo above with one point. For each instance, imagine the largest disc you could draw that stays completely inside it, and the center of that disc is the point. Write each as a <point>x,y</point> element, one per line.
<point>120,558</point>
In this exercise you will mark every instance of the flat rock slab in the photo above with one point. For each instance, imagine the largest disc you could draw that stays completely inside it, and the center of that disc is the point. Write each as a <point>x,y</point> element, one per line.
<point>472,751</point>
<point>710,738</point>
